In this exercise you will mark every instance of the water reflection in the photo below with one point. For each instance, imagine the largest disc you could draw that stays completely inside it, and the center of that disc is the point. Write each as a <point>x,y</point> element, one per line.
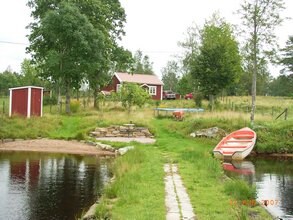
<point>273,180</point>
<point>38,186</point>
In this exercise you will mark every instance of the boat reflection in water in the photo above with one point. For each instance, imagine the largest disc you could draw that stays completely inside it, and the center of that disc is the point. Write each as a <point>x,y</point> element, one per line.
<point>240,167</point>
<point>273,180</point>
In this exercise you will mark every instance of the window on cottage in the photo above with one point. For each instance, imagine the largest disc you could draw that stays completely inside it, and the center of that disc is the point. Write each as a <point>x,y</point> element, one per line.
<point>152,90</point>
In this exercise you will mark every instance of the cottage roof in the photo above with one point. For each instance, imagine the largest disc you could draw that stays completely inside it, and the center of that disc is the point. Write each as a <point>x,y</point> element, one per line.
<point>139,78</point>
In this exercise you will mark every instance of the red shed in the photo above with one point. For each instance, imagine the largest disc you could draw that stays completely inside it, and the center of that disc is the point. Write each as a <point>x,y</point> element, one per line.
<point>26,101</point>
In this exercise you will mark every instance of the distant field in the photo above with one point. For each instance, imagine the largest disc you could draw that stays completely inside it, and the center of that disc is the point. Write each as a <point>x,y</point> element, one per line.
<point>267,107</point>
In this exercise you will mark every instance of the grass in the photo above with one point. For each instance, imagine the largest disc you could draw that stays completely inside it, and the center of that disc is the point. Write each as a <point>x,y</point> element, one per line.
<point>138,189</point>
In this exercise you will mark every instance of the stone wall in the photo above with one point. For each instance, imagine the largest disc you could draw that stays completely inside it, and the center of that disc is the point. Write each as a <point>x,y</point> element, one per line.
<point>122,131</point>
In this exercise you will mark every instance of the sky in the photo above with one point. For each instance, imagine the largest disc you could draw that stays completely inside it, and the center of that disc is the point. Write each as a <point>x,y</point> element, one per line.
<point>153,26</point>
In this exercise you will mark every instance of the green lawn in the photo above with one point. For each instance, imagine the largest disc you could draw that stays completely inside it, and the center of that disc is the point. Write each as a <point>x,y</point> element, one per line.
<point>138,190</point>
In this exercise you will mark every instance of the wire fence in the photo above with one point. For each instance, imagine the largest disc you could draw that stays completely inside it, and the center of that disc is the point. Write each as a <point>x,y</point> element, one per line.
<point>4,105</point>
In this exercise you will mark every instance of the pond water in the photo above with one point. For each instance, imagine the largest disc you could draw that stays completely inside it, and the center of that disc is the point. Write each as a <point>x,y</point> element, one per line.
<point>273,179</point>
<point>49,186</point>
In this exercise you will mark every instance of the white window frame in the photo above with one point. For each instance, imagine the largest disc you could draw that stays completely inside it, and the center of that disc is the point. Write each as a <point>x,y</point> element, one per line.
<point>152,90</point>
<point>118,87</point>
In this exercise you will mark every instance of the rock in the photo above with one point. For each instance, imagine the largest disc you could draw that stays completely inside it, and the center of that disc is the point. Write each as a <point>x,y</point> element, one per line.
<point>209,132</point>
<point>92,143</point>
<point>121,131</point>
<point>95,133</point>
<point>90,214</point>
<point>105,147</point>
<point>124,150</point>
<point>115,132</point>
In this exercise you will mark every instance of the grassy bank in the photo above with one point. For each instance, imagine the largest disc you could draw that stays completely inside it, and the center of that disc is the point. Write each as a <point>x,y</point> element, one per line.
<point>138,190</point>
<point>273,136</point>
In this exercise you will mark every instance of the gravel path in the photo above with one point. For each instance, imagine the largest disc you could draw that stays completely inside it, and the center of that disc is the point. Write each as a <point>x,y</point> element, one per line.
<point>177,201</point>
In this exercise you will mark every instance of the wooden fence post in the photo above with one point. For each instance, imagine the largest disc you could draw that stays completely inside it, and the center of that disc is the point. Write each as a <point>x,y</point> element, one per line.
<point>284,112</point>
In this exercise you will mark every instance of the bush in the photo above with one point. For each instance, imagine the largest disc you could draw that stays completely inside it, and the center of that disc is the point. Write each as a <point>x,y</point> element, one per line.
<point>47,100</point>
<point>74,106</point>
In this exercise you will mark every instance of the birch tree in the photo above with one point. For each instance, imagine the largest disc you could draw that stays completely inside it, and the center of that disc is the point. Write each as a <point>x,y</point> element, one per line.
<point>259,19</point>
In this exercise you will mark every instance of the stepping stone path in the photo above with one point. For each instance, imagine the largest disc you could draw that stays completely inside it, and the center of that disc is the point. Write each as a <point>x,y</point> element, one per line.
<point>177,201</point>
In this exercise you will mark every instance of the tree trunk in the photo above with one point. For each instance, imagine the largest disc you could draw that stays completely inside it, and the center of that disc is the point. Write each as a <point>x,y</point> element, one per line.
<point>59,104</point>
<point>67,108</point>
<point>254,74</point>
<point>96,101</point>
<point>211,100</point>
<point>77,94</point>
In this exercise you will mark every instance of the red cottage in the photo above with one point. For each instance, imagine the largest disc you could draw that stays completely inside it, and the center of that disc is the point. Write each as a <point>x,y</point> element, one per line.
<point>150,82</point>
<point>26,101</point>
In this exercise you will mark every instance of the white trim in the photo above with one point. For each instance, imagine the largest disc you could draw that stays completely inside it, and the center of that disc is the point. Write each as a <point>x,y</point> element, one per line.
<point>161,92</point>
<point>118,87</point>
<point>119,79</point>
<point>26,87</point>
<point>29,102</point>
<point>10,102</point>
<point>155,90</point>
<point>29,97</point>
<point>144,85</point>
<point>42,92</point>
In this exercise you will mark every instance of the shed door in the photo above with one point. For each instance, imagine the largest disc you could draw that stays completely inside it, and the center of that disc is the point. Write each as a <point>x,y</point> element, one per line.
<point>36,102</point>
<point>19,102</point>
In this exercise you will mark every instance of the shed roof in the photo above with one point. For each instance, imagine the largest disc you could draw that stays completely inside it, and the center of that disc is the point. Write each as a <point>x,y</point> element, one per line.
<point>26,87</point>
<point>139,78</point>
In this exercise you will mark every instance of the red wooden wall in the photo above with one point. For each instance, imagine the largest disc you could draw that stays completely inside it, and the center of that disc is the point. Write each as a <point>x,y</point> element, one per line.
<point>26,101</point>
<point>19,101</point>
<point>36,102</point>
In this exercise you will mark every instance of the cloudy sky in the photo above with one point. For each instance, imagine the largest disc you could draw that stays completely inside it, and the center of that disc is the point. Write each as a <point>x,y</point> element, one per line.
<point>153,26</point>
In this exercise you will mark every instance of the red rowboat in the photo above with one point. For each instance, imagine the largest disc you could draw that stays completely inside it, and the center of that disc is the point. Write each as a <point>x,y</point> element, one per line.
<point>237,145</point>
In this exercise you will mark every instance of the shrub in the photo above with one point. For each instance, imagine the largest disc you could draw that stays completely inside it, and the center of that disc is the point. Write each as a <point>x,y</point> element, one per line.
<point>74,106</point>
<point>47,100</point>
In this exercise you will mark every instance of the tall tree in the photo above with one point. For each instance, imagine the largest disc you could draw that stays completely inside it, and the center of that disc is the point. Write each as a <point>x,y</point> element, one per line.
<point>287,56</point>
<point>190,45</point>
<point>142,64</point>
<point>186,84</point>
<point>123,61</point>
<point>282,86</point>
<point>8,79</point>
<point>72,40</point>
<point>262,80</point>
<point>218,64</point>
<point>29,74</point>
<point>260,18</point>
<point>170,75</point>
<point>109,21</point>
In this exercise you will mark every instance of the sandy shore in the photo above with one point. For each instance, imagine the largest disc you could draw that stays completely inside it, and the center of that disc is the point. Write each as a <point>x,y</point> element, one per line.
<point>54,146</point>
